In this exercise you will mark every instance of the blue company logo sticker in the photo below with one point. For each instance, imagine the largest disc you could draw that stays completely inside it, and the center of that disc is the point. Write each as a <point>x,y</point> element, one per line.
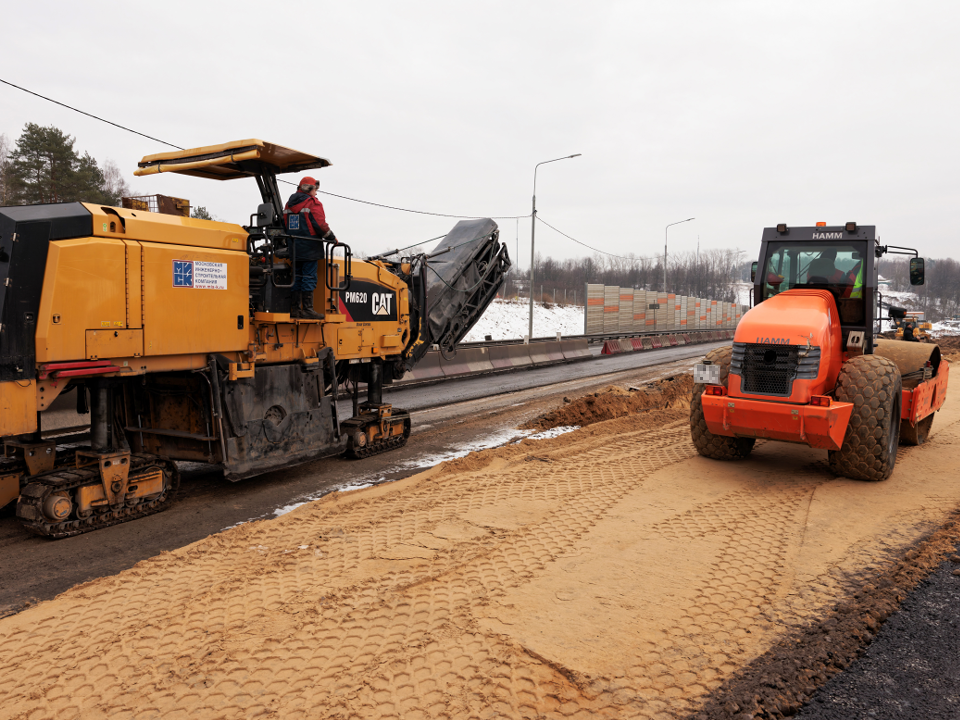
<point>293,222</point>
<point>773,341</point>
<point>183,273</point>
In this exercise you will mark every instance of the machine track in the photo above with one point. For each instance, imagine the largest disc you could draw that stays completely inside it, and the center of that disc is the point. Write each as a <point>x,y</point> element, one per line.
<point>32,496</point>
<point>381,446</point>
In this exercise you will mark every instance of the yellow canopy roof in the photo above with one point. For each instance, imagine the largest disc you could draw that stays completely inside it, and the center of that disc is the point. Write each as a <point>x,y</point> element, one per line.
<point>238,159</point>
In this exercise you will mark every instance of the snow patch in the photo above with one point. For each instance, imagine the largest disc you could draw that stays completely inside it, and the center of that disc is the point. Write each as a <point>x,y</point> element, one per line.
<point>553,432</point>
<point>304,499</point>
<point>509,320</point>
<point>484,443</point>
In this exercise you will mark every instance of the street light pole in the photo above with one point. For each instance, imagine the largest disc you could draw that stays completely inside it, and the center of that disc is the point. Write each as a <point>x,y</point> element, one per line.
<point>665,249</point>
<point>533,230</point>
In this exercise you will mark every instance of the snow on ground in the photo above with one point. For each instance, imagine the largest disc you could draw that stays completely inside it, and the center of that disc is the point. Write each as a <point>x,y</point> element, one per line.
<point>508,320</point>
<point>947,328</point>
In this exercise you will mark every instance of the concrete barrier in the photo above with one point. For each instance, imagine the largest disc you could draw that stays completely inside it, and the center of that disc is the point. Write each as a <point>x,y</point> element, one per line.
<point>509,356</point>
<point>626,345</point>
<point>427,369</point>
<point>466,362</point>
<point>671,339</point>
<point>681,340</point>
<point>545,353</point>
<point>575,349</point>
<point>647,343</point>
<point>657,343</point>
<point>637,344</point>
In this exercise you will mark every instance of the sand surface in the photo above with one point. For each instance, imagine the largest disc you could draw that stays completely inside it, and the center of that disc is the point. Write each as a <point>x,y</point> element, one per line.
<point>608,572</point>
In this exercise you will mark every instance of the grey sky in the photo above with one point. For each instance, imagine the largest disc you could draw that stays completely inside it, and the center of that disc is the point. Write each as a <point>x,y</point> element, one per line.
<point>743,114</point>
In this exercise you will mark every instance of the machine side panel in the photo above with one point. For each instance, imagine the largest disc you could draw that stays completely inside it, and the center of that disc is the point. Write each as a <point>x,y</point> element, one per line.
<point>84,289</point>
<point>195,300</point>
<point>18,407</point>
<point>134,284</point>
<point>22,285</point>
<point>171,229</point>
<point>25,235</point>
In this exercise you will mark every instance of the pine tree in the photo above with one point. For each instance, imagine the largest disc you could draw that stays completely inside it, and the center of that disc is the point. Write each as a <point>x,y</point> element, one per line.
<point>45,168</point>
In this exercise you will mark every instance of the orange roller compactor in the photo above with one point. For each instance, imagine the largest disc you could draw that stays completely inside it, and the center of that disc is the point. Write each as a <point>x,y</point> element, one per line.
<point>807,363</point>
<point>164,338</point>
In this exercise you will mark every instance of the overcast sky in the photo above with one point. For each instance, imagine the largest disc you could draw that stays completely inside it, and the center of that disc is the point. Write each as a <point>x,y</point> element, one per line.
<point>742,114</point>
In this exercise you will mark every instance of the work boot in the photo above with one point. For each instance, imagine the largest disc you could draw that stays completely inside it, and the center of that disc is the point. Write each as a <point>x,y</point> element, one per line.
<point>308,313</point>
<point>295,301</point>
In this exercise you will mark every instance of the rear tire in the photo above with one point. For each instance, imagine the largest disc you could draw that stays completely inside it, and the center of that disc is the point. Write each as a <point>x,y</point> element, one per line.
<point>869,452</point>
<point>916,434</point>
<point>718,447</point>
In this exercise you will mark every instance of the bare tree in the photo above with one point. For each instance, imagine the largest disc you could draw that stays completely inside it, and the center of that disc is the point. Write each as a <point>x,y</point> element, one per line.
<point>114,184</point>
<point>4,170</point>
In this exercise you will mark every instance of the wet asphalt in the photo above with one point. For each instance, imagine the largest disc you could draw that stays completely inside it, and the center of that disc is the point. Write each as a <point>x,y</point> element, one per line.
<point>911,669</point>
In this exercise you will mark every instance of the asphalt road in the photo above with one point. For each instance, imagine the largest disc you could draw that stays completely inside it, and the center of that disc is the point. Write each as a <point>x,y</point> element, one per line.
<point>488,385</point>
<point>449,419</point>
<point>911,669</point>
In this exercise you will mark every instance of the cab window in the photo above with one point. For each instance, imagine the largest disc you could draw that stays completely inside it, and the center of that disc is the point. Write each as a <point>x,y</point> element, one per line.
<point>837,267</point>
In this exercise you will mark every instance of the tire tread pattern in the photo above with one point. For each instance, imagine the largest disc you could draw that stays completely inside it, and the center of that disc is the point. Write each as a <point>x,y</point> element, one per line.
<point>872,383</point>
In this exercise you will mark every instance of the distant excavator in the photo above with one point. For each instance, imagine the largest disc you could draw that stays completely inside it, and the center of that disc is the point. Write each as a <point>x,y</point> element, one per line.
<point>174,336</point>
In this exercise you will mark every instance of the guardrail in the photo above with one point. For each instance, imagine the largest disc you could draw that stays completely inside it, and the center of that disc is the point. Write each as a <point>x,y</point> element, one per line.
<point>599,338</point>
<point>495,356</point>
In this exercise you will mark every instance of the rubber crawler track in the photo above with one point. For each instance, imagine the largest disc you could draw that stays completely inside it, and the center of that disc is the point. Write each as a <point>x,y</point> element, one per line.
<point>29,507</point>
<point>382,446</point>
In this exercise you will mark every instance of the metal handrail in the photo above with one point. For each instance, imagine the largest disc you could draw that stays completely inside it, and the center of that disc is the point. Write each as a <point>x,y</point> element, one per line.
<point>330,275</point>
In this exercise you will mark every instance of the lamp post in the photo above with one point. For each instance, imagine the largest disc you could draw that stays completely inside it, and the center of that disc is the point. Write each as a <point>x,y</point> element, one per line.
<point>665,249</point>
<point>533,229</point>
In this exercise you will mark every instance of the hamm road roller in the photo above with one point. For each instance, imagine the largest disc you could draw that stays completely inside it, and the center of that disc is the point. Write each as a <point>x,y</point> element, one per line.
<point>807,363</point>
<point>173,339</point>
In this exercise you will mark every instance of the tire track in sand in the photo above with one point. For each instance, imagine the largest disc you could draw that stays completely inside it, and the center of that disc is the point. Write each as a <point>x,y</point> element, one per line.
<point>352,627</point>
<point>452,594</point>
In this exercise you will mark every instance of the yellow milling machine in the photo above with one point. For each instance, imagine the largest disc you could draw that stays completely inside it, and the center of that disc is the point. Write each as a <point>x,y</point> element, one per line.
<point>172,338</point>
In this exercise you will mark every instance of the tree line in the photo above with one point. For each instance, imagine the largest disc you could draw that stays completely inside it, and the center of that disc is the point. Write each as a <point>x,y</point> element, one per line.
<point>710,274</point>
<point>43,165</point>
<point>938,297</point>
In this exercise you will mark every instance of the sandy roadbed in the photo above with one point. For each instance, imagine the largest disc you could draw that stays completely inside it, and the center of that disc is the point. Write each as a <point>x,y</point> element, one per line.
<point>608,572</point>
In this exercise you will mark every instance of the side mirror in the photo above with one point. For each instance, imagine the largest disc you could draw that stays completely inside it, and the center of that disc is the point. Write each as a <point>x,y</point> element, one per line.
<point>916,271</point>
<point>753,271</point>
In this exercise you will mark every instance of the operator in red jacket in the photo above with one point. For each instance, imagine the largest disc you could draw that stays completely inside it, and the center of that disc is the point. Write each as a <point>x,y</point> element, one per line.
<point>305,219</point>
